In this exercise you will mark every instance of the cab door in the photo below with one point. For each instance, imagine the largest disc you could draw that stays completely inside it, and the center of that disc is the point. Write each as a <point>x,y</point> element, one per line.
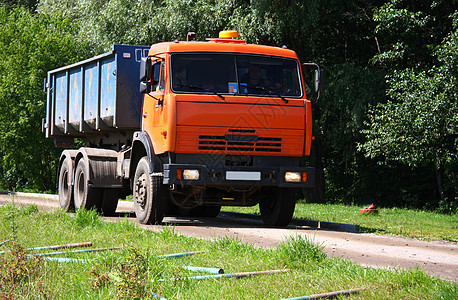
<point>154,114</point>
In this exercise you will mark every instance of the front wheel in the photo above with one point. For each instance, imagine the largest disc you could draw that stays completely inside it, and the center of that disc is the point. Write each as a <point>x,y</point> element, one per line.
<point>277,207</point>
<point>148,194</point>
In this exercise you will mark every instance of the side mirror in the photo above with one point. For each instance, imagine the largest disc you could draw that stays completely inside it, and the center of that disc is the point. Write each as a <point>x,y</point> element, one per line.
<point>145,68</point>
<point>319,78</point>
<point>145,74</point>
<point>145,87</point>
<point>149,75</point>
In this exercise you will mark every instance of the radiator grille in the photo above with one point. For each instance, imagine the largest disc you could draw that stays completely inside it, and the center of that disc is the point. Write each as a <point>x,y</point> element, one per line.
<point>246,143</point>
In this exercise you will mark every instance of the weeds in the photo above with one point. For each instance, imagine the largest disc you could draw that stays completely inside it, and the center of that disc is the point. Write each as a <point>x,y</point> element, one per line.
<point>20,273</point>
<point>87,218</point>
<point>296,251</point>
<point>129,275</point>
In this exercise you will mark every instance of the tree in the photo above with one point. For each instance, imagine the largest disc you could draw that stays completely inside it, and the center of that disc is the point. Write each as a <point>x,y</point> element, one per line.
<point>418,125</point>
<point>142,22</point>
<point>31,44</point>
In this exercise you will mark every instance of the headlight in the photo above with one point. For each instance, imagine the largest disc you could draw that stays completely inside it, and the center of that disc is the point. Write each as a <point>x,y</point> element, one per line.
<point>293,176</point>
<point>191,174</point>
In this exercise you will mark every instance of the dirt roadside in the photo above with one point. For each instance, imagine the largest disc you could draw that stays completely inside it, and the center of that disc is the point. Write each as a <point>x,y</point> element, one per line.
<point>438,258</point>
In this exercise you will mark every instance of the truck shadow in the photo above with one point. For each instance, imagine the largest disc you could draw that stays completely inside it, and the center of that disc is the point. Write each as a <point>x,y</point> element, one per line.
<point>241,220</point>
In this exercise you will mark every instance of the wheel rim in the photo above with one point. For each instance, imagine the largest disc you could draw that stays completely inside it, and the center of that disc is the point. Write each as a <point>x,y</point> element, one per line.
<point>141,191</point>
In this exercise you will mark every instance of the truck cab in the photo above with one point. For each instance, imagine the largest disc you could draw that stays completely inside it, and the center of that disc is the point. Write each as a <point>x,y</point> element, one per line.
<point>229,125</point>
<point>222,123</point>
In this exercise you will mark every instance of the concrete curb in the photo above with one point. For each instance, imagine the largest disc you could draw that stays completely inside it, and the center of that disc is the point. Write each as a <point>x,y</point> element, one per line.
<point>124,206</point>
<point>302,222</point>
<point>31,195</point>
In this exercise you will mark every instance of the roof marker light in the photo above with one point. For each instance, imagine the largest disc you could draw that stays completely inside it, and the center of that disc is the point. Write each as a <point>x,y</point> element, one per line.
<point>229,34</point>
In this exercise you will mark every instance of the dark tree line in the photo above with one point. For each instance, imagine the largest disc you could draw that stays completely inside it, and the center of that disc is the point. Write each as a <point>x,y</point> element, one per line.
<point>386,127</point>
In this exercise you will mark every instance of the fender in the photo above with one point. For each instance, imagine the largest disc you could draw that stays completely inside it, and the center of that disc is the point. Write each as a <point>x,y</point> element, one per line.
<point>100,166</point>
<point>141,146</point>
<point>70,154</point>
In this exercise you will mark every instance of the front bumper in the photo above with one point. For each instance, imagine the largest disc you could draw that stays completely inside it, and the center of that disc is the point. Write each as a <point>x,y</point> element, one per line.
<point>238,176</point>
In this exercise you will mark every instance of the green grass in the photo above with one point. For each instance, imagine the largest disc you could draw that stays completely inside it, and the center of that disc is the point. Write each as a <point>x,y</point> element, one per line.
<point>404,222</point>
<point>134,271</point>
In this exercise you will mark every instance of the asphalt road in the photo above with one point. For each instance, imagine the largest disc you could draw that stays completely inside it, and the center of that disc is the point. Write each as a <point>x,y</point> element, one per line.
<point>438,258</point>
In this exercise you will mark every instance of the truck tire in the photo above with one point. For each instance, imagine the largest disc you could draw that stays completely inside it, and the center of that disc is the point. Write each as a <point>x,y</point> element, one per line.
<point>65,185</point>
<point>148,193</point>
<point>109,203</point>
<point>277,207</point>
<point>84,196</point>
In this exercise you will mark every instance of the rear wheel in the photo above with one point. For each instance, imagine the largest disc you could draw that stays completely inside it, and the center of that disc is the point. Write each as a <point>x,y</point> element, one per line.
<point>110,198</point>
<point>65,185</point>
<point>148,194</point>
<point>277,207</point>
<point>84,196</point>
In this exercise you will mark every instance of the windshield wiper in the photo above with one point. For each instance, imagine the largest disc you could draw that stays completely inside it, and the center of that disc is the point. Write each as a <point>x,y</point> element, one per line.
<point>261,88</point>
<point>200,88</point>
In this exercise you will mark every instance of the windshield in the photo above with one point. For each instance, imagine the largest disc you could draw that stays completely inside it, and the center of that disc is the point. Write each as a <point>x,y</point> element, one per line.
<point>235,74</point>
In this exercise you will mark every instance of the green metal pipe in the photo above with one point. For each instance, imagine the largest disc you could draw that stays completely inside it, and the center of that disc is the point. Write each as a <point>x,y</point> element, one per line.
<point>328,295</point>
<point>176,255</point>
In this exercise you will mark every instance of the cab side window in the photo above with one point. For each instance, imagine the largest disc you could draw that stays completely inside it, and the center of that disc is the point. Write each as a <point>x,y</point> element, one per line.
<point>162,77</point>
<point>156,76</point>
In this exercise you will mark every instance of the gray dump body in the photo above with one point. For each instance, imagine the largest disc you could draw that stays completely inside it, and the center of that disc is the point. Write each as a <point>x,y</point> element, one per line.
<point>95,96</point>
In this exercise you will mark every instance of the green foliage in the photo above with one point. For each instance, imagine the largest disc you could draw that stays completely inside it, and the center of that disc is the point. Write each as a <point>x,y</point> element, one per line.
<point>103,23</point>
<point>299,251</point>
<point>31,44</point>
<point>339,116</point>
<point>131,275</point>
<point>418,126</point>
<point>86,218</point>
<point>20,274</point>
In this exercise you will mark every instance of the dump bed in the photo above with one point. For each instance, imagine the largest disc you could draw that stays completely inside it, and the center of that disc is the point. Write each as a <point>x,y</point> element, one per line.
<point>99,95</point>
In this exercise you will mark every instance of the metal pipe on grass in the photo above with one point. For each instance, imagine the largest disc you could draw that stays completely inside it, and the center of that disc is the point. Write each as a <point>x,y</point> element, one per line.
<point>78,251</point>
<point>4,242</point>
<point>233,275</point>
<point>176,255</point>
<point>328,295</point>
<point>74,245</point>
<point>204,269</point>
<point>65,260</point>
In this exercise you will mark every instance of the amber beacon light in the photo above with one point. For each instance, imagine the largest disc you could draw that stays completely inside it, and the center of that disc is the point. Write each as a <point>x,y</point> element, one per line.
<point>229,34</point>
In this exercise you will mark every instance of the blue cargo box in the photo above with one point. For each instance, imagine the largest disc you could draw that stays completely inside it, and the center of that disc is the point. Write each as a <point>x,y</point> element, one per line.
<point>97,95</point>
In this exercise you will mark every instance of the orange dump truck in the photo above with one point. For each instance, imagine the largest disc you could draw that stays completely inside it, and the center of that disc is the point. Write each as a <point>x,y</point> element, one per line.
<point>186,127</point>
